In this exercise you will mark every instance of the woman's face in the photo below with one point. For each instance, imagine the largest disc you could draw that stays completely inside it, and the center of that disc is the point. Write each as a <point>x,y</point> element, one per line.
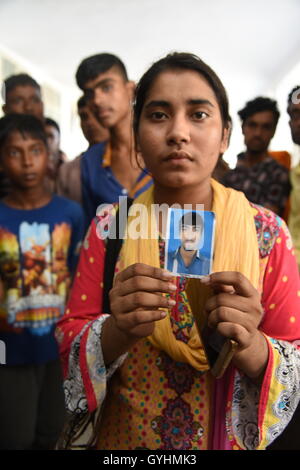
<point>180,132</point>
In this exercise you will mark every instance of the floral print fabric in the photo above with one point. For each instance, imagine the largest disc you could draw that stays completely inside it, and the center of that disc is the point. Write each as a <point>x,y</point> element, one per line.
<point>153,402</point>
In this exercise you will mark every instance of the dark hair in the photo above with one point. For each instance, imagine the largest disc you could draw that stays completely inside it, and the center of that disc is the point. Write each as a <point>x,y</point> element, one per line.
<point>93,66</point>
<point>290,97</point>
<point>82,102</point>
<point>185,61</point>
<point>21,79</point>
<point>191,219</point>
<point>25,124</point>
<point>258,105</point>
<point>52,123</point>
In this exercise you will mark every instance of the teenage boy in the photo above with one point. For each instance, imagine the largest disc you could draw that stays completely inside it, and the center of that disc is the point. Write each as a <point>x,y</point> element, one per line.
<point>90,126</point>
<point>39,239</point>
<point>23,96</point>
<point>53,140</point>
<point>56,156</point>
<point>109,170</point>
<point>69,174</point>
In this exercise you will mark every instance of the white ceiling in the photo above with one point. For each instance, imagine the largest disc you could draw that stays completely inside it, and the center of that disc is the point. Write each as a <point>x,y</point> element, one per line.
<point>251,44</point>
<point>248,38</point>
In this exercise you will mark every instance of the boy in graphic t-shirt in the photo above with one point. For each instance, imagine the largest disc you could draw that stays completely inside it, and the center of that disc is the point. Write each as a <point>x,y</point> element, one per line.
<point>40,235</point>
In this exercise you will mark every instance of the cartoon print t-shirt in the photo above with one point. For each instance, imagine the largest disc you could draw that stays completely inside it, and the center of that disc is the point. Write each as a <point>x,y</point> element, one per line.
<point>38,251</point>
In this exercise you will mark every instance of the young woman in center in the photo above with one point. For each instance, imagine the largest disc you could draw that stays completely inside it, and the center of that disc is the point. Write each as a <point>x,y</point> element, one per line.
<point>144,365</point>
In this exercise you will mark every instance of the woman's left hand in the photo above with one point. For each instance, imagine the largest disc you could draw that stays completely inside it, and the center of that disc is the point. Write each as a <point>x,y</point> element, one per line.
<point>235,311</point>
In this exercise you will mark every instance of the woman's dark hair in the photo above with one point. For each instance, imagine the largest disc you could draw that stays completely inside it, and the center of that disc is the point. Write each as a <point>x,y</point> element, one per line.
<point>183,61</point>
<point>259,105</point>
<point>93,66</point>
<point>25,124</point>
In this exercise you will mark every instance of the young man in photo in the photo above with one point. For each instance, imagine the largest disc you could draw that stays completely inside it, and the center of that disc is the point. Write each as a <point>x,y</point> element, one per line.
<point>187,259</point>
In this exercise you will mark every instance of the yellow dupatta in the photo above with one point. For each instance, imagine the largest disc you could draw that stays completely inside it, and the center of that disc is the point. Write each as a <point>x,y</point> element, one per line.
<point>236,249</point>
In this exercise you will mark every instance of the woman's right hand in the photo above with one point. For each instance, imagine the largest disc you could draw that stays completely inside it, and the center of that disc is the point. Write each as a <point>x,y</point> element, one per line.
<point>137,296</point>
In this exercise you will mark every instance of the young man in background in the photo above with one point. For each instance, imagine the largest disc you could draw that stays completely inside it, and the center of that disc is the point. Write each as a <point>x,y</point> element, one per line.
<point>264,180</point>
<point>69,175</point>
<point>109,170</point>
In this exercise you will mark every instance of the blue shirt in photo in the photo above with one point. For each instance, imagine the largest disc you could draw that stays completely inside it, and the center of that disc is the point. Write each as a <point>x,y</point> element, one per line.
<point>199,266</point>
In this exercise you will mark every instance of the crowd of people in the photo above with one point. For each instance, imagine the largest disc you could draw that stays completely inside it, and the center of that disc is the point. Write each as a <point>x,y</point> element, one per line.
<point>102,348</point>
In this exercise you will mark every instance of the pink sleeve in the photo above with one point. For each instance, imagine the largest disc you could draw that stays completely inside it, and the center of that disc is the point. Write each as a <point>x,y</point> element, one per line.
<point>281,293</point>
<point>272,406</point>
<point>84,304</point>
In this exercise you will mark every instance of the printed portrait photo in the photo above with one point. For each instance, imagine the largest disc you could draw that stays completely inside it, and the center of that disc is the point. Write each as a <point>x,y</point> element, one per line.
<point>189,242</point>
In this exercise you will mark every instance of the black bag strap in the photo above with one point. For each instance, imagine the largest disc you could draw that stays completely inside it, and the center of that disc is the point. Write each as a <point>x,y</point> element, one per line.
<point>113,247</point>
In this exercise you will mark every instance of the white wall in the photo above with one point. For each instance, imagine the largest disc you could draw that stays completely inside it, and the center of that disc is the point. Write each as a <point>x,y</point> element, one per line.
<point>253,46</point>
